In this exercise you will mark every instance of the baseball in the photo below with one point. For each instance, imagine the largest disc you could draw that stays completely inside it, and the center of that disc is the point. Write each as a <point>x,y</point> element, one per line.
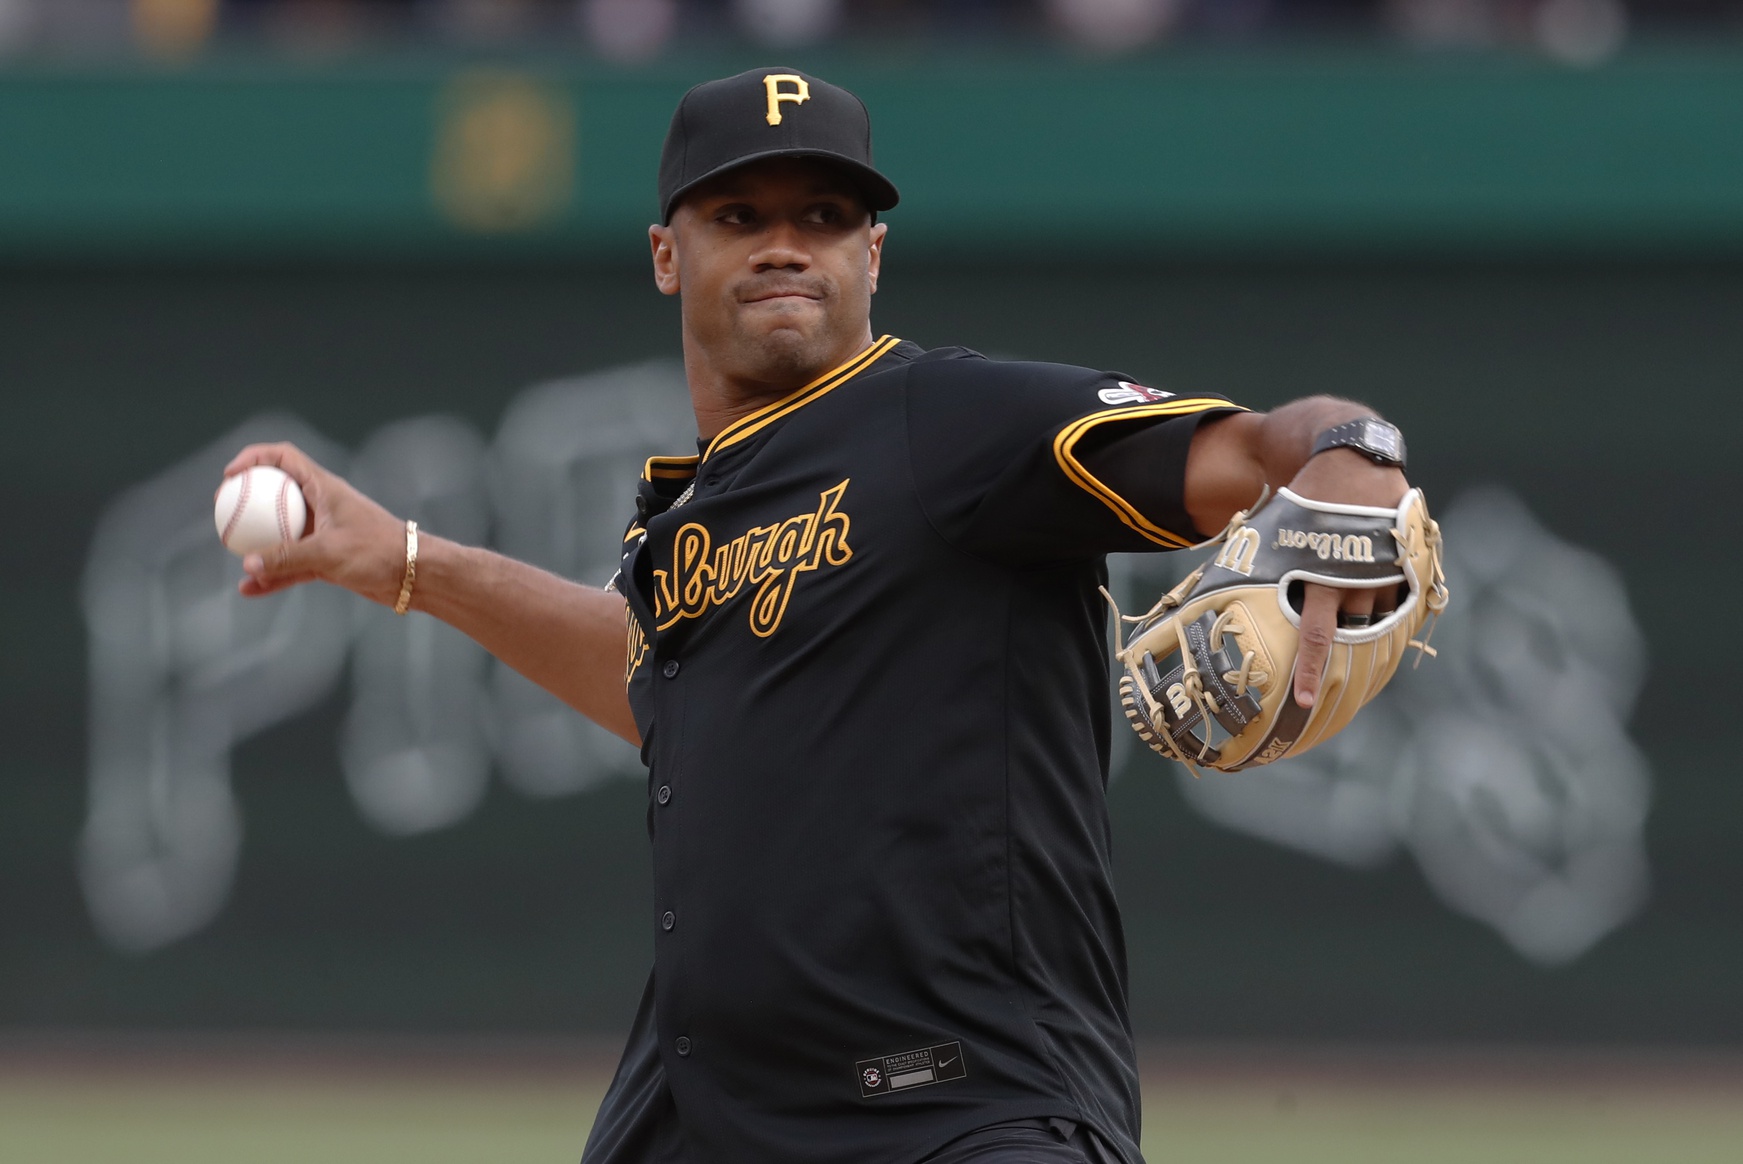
<point>259,508</point>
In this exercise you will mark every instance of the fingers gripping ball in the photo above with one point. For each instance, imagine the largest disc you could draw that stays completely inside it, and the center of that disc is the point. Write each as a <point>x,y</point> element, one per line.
<point>259,508</point>
<point>1209,671</point>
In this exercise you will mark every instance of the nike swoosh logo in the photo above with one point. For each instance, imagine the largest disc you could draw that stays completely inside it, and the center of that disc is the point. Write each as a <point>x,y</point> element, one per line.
<point>943,1063</point>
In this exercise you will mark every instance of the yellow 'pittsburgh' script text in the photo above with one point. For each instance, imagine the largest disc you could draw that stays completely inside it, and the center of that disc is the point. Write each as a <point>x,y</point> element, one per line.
<point>769,558</point>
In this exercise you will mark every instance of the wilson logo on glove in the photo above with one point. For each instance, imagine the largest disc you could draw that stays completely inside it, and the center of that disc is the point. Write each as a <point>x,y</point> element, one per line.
<point>1237,552</point>
<point>1347,548</point>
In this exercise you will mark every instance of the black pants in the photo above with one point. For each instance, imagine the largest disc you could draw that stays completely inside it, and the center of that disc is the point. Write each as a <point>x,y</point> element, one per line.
<point>1025,1142</point>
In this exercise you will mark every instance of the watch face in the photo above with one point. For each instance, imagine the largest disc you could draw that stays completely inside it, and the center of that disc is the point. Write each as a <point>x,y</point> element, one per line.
<point>1382,438</point>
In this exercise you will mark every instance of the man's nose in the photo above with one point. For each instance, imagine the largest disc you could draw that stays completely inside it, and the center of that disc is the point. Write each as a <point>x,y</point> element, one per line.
<point>782,245</point>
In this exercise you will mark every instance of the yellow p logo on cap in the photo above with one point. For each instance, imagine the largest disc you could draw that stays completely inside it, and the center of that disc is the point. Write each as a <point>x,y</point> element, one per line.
<point>798,94</point>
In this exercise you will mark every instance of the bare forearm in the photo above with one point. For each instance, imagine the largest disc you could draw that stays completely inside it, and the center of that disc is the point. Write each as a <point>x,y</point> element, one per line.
<point>1286,434</point>
<point>567,638</point>
<point>1234,458</point>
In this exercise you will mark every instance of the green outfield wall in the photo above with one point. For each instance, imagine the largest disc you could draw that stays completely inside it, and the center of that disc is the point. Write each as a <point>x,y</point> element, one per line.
<point>1311,152</point>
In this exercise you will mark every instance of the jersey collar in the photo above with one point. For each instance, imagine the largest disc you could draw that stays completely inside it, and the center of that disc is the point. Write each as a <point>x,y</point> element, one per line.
<point>669,468</point>
<point>747,426</point>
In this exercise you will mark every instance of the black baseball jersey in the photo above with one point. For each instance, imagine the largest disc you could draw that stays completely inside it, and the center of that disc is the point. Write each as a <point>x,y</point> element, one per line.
<point>867,657</point>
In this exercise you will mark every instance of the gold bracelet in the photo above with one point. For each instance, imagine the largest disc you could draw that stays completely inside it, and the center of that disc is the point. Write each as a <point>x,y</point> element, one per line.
<point>411,569</point>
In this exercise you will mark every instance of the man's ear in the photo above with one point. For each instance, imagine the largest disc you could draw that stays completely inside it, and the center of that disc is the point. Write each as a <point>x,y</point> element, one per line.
<point>664,240</point>
<point>878,231</point>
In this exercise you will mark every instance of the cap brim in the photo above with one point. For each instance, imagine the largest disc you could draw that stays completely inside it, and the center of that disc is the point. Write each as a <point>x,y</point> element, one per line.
<point>878,191</point>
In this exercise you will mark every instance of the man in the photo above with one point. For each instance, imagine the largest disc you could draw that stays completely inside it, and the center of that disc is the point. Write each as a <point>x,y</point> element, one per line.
<point>859,641</point>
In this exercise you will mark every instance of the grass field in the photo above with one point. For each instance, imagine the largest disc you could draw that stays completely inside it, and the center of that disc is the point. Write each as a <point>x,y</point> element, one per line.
<point>273,1102</point>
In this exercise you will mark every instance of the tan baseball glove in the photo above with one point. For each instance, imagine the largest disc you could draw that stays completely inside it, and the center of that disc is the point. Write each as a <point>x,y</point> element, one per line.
<point>1210,669</point>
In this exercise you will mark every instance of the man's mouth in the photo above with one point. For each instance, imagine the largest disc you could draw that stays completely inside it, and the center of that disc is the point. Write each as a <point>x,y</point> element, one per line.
<point>782,296</point>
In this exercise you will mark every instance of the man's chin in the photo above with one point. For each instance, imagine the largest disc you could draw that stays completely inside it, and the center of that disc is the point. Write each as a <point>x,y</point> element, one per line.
<point>787,350</point>
<point>801,318</point>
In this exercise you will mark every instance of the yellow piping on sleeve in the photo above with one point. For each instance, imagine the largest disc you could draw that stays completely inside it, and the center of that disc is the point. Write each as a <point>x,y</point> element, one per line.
<point>1065,442</point>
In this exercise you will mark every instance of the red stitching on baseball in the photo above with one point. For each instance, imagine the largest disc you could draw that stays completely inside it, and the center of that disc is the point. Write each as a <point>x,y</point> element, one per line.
<point>241,504</point>
<point>284,511</point>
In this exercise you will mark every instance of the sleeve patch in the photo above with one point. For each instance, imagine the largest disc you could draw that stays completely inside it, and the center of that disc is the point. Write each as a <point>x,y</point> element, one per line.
<point>1130,393</point>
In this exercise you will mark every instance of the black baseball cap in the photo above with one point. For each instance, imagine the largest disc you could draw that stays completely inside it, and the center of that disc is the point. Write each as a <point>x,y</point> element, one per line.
<point>768,113</point>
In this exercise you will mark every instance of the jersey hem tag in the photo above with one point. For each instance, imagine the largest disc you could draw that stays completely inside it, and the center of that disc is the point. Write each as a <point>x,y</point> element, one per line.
<point>910,1069</point>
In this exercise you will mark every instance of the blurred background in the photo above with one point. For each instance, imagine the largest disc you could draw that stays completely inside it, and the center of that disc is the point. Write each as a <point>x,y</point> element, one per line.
<point>297,878</point>
<point>1571,31</point>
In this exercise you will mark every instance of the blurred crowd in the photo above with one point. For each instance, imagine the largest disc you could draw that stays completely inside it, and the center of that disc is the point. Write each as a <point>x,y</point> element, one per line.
<point>1577,31</point>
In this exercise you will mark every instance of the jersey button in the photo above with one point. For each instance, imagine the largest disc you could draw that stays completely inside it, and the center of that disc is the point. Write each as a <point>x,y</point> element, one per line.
<point>670,670</point>
<point>665,793</point>
<point>683,1045</point>
<point>668,920</point>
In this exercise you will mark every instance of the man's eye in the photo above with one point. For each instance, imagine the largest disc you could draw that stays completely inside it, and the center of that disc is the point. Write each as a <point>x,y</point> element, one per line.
<point>823,213</point>
<point>734,216</point>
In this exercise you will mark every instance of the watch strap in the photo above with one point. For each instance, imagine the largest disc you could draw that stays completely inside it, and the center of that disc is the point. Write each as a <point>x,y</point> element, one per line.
<point>1376,439</point>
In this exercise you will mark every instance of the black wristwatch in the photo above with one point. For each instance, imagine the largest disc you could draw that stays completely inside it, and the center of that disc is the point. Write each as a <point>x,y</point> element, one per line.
<point>1370,436</point>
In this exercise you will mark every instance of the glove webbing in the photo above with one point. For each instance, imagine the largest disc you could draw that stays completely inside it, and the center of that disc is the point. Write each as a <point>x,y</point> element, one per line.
<point>1209,683</point>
